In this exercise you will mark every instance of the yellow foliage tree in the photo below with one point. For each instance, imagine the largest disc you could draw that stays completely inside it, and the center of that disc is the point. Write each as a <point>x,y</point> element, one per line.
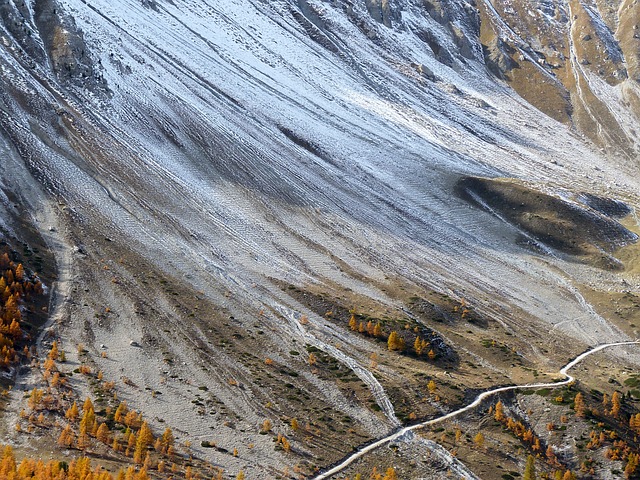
<point>395,342</point>
<point>167,440</point>
<point>266,426</point>
<point>103,434</point>
<point>144,440</point>
<point>312,359</point>
<point>53,353</point>
<point>377,330</point>
<point>370,327</point>
<point>88,421</point>
<point>499,412</point>
<point>88,405</point>
<point>615,404</point>
<point>432,386</point>
<point>35,398</point>
<point>390,474</point>
<point>579,406</point>
<point>131,419</point>
<point>530,469</point>
<point>121,411</point>
<point>286,445</point>
<point>19,275</point>
<point>72,413</point>
<point>66,437</point>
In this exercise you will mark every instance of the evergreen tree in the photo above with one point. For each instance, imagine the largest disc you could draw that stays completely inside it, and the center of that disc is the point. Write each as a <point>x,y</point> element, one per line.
<point>530,469</point>
<point>615,404</point>
<point>395,342</point>
<point>579,406</point>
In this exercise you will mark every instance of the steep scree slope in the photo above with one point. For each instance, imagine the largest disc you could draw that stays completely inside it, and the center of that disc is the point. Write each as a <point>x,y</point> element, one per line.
<point>216,167</point>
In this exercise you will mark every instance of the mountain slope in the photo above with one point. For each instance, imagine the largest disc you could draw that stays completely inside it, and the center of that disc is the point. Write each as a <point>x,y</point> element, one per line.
<point>237,177</point>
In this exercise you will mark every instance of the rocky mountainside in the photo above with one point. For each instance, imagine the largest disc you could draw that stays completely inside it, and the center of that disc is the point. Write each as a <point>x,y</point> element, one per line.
<point>238,193</point>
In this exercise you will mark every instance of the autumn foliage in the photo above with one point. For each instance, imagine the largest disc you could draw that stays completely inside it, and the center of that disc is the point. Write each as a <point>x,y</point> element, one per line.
<point>526,435</point>
<point>15,288</point>
<point>80,469</point>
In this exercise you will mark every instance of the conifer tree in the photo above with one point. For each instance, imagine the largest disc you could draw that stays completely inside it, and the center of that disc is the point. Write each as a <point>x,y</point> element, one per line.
<point>53,353</point>
<point>395,342</point>
<point>417,346</point>
<point>431,386</point>
<point>19,275</point>
<point>87,405</point>
<point>72,413</point>
<point>312,359</point>
<point>370,327</point>
<point>578,405</point>
<point>103,433</point>
<point>377,330</point>
<point>121,411</point>
<point>266,425</point>
<point>66,437</point>
<point>167,440</point>
<point>615,404</point>
<point>144,440</point>
<point>530,469</point>
<point>390,474</point>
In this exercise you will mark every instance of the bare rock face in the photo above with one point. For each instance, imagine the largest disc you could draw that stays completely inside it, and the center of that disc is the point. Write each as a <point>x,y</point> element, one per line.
<point>64,45</point>
<point>568,49</point>
<point>380,11</point>
<point>498,56</point>
<point>51,40</point>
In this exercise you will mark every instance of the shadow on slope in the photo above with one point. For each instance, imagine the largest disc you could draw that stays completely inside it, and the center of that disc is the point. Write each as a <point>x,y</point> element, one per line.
<point>585,227</point>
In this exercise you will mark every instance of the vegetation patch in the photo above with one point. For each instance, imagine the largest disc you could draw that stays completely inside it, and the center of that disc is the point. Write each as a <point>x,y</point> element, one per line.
<point>574,228</point>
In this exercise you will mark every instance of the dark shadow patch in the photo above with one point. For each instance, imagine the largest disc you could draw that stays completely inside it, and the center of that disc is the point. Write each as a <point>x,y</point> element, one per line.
<point>570,228</point>
<point>607,206</point>
<point>308,145</point>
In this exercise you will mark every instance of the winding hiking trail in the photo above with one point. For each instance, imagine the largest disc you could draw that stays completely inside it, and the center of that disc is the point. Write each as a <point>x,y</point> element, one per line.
<point>399,433</point>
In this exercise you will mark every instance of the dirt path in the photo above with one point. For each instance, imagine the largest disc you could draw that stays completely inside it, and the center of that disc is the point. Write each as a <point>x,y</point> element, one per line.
<point>399,433</point>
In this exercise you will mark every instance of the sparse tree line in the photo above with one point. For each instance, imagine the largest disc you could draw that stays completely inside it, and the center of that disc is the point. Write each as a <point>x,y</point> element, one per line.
<point>609,412</point>
<point>389,474</point>
<point>50,406</point>
<point>122,430</point>
<point>535,445</point>
<point>80,469</point>
<point>16,288</point>
<point>407,341</point>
